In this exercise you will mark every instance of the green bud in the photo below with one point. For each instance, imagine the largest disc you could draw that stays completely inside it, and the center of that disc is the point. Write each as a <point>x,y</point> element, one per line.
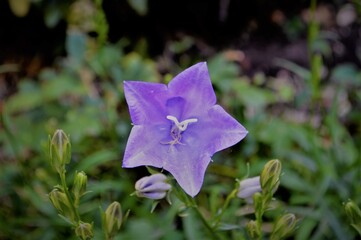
<point>59,200</point>
<point>113,218</point>
<point>252,230</point>
<point>259,205</point>
<point>270,176</point>
<point>59,150</point>
<point>284,226</point>
<point>353,212</point>
<point>183,211</point>
<point>84,231</point>
<point>79,186</point>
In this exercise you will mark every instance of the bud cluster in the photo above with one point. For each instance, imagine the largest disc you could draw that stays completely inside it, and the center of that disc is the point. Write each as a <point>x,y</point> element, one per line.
<point>64,201</point>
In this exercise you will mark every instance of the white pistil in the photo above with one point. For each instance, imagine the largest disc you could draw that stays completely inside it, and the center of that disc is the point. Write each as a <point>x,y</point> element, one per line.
<point>177,129</point>
<point>182,126</point>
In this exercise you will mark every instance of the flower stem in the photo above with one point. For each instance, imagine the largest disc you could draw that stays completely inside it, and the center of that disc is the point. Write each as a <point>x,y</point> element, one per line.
<point>191,203</point>
<point>213,234</point>
<point>66,191</point>
<point>224,207</point>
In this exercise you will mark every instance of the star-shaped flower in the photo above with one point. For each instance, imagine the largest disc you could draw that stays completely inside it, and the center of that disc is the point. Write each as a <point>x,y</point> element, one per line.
<point>178,127</point>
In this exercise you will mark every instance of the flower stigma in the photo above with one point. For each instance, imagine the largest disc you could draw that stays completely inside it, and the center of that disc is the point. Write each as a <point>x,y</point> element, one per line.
<point>178,128</point>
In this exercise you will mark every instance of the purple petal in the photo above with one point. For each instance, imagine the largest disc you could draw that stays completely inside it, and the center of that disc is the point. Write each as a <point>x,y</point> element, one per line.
<point>175,107</point>
<point>142,142</point>
<point>250,182</point>
<point>217,130</point>
<point>188,169</point>
<point>144,182</point>
<point>157,187</point>
<point>153,195</point>
<point>194,85</point>
<point>145,101</point>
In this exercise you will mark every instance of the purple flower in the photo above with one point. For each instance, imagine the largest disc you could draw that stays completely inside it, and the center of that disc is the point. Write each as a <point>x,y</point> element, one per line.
<point>178,127</point>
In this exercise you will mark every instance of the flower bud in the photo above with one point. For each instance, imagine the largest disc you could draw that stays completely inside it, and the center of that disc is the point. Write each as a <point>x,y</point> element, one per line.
<point>270,176</point>
<point>84,231</point>
<point>353,212</point>
<point>284,226</point>
<point>59,200</point>
<point>59,150</point>
<point>252,229</point>
<point>248,187</point>
<point>259,205</point>
<point>113,218</point>
<point>152,187</point>
<point>79,186</point>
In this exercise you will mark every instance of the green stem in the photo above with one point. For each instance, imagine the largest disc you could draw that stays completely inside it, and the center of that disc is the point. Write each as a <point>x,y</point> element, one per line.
<point>211,230</point>
<point>190,202</point>
<point>213,234</point>
<point>66,191</point>
<point>224,207</point>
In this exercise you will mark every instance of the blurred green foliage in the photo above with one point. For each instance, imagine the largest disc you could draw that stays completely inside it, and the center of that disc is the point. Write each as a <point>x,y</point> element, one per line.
<point>312,126</point>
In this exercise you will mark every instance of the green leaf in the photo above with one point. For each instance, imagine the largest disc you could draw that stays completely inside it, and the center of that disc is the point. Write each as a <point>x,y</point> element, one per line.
<point>76,46</point>
<point>96,159</point>
<point>28,97</point>
<point>346,75</point>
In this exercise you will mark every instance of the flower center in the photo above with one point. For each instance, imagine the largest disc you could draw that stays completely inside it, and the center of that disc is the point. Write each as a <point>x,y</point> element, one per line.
<point>178,128</point>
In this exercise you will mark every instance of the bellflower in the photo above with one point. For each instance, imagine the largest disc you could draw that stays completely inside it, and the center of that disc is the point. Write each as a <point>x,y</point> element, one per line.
<point>179,126</point>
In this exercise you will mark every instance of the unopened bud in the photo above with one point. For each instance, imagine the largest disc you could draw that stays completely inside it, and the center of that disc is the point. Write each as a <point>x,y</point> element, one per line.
<point>59,150</point>
<point>353,212</point>
<point>284,226</point>
<point>79,186</point>
<point>113,218</point>
<point>59,200</point>
<point>152,187</point>
<point>248,187</point>
<point>259,205</point>
<point>84,231</point>
<point>252,229</point>
<point>270,176</point>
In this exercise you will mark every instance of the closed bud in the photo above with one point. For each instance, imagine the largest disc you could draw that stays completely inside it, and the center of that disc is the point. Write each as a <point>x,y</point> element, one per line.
<point>183,211</point>
<point>284,226</point>
<point>79,186</point>
<point>248,187</point>
<point>252,230</point>
<point>113,218</point>
<point>59,150</point>
<point>259,205</point>
<point>353,212</point>
<point>61,202</point>
<point>152,187</point>
<point>84,231</point>
<point>270,176</point>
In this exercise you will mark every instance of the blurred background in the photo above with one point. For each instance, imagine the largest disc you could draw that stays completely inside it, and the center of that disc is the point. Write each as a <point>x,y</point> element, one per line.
<point>289,71</point>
